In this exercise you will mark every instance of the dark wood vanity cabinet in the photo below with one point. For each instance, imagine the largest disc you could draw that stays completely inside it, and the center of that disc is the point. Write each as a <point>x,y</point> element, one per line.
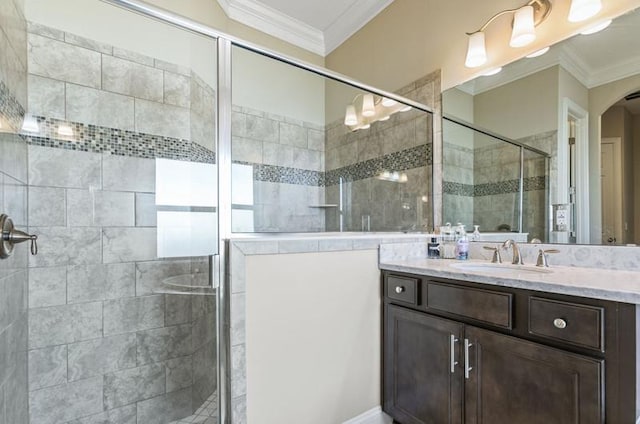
<point>458,352</point>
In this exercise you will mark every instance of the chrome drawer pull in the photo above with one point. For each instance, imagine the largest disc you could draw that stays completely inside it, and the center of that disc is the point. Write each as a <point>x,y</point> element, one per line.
<point>399,289</point>
<point>467,368</point>
<point>453,353</point>
<point>559,323</point>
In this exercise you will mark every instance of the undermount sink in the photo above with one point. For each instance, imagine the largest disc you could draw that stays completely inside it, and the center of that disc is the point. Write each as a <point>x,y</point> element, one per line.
<point>501,268</point>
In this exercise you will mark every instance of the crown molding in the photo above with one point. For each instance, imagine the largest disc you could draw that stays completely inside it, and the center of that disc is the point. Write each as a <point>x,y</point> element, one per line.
<point>277,24</point>
<point>347,24</point>
<point>270,21</point>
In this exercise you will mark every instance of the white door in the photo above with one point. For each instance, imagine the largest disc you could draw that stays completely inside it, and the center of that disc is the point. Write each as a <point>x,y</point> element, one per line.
<point>611,177</point>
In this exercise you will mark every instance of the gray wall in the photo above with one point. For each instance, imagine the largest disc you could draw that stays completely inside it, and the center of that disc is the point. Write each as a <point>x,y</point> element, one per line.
<point>13,201</point>
<point>107,343</point>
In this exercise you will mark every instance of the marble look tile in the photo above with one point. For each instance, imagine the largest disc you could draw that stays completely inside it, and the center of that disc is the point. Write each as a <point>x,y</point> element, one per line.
<point>178,309</point>
<point>63,168</point>
<point>132,385</point>
<point>179,373</point>
<point>123,173</point>
<point>177,89</point>
<point>166,408</point>
<point>124,415</point>
<point>315,140</point>
<point>239,410</point>
<point>45,31</point>
<point>308,159</point>
<point>146,210</point>
<point>88,283</point>
<point>262,129</point>
<point>204,373</point>
<point>16,396</point>
<point>100,356</point>
<point>238,314</point>
<point>277,154</point>
<point>297,246</point>
<point>98,107</point>
<point>128,244</point>
<point>238,268</point>
<point>66,246</point>
<point>73,323</point>
<point>46,97</point>
<point>47,286</point>
<point>13,156</point>
<point>246,150</point>
<point>54,59</point>
<point>46,206</point>
<point>262,247</point>
<point>150,275</point>
<point>293,135</point>
<point>333,245</point>
<point>47,367</point>
<point>97,208</point>
<point>14,195</point>
<point>161,119</point>
<point>76,40</point>
<point>203,331</point>
<point>238,371</point>
<point>132,79</point>
<point>66,402</point>
<point>176,69</point>
<point>238,124</point>
<point>13,299</point>
<point>366,244</point>
<point>163,343</point>
<point>133,56</point>
<point>133,314</point>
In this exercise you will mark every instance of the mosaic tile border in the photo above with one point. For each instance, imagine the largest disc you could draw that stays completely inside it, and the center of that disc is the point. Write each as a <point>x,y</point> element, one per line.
<point>490,189</point>
<point>97,139</point>
<point>10,108</point>
<point>415,157</point>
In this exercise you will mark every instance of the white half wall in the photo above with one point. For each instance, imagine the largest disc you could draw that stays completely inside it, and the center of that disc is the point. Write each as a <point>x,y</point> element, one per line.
<point>312,337</point>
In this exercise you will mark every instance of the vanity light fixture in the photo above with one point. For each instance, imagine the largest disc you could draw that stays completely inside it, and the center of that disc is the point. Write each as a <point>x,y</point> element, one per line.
<point>581,10</point>
<point>394,176</point>
<point>493,71</point>
<point>596,28</point>
<point>525,19</point>
<point>360,114</point>
<point>538,53</point>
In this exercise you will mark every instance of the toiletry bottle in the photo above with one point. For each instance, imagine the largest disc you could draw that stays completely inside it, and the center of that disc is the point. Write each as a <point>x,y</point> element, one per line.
<point>476,233</point>
<point>433,249</point>
<point>462,245</point>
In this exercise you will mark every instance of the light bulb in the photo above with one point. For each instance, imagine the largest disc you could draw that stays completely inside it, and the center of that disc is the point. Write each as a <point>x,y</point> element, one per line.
<point>476,51</point>
<point>523,27</point>
<point>368,108</point>
<point>581,10</point>
<point>386,102</point>
<point>350,117</point>
<point>493,71</point>
<point>407,108</point>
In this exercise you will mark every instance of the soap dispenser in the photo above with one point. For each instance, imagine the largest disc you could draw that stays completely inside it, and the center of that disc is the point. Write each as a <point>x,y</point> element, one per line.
<point>462,244</point>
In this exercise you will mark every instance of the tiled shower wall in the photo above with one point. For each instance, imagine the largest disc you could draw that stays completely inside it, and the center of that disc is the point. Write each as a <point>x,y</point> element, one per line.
<point>287,157</point>
<point>404,144</point>
<point>481,186</point>
<point>13,201</point>
<point>107,343</point>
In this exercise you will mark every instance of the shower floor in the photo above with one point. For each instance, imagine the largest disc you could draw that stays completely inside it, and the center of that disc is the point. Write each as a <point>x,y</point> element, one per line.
<point>206,414</point>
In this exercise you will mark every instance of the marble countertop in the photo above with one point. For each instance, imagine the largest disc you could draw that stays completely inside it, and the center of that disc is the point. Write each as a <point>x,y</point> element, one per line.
<point>614,285</point>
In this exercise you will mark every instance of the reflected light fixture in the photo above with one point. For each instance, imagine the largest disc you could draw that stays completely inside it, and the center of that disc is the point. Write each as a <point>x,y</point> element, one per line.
<point>525,19</point>
<point>65,130</point>
<point>359,115</point>
<point>597,28</point>
<point>493,71</point>
<point>538,53</point>
<point>30,124</point>
<point>581,10</point>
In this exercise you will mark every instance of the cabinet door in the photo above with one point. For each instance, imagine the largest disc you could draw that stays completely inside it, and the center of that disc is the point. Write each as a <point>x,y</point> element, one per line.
<point>517,381</point>
<point>420,385</point>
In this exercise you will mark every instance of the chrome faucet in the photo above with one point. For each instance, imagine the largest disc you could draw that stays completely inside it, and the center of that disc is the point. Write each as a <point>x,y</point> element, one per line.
<point>517,258</point>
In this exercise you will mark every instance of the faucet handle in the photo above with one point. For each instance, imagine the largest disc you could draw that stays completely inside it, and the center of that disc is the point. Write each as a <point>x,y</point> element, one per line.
<point>542,257</point>
<point>497,258</point>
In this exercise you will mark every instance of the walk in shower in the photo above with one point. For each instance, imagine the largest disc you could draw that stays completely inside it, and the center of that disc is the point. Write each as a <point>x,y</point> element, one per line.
<point>133,143</point>
<point>499,184</point>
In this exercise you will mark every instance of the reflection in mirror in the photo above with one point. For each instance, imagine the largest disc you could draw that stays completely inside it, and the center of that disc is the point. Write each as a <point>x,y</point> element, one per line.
<point>576,104</point>
<point>321,155</point>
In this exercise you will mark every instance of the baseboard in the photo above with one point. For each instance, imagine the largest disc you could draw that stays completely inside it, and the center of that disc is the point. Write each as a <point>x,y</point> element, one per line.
<point>374,415</point>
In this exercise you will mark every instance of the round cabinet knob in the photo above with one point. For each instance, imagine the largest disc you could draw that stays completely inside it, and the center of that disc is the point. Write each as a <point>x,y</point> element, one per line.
<point>399,289</point>
<point>559,323</point>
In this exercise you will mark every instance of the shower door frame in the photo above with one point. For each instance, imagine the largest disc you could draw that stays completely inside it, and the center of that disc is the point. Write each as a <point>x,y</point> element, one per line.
<point>220,273</point>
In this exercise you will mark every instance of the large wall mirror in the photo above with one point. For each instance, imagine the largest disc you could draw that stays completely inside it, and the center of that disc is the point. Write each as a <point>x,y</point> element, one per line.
<point>550,146</point>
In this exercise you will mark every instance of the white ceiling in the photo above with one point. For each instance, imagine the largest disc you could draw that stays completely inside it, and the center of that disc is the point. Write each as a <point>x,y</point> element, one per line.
<point>317,26</point>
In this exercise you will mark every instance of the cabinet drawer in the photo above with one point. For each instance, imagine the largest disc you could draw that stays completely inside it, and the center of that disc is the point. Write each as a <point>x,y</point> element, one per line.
<point>482,305</point>
<point>403,289</point>
<point>573,323</point>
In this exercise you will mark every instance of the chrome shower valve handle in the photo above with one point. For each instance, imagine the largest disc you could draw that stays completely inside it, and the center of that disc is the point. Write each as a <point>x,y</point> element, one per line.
<point>11,237</point>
